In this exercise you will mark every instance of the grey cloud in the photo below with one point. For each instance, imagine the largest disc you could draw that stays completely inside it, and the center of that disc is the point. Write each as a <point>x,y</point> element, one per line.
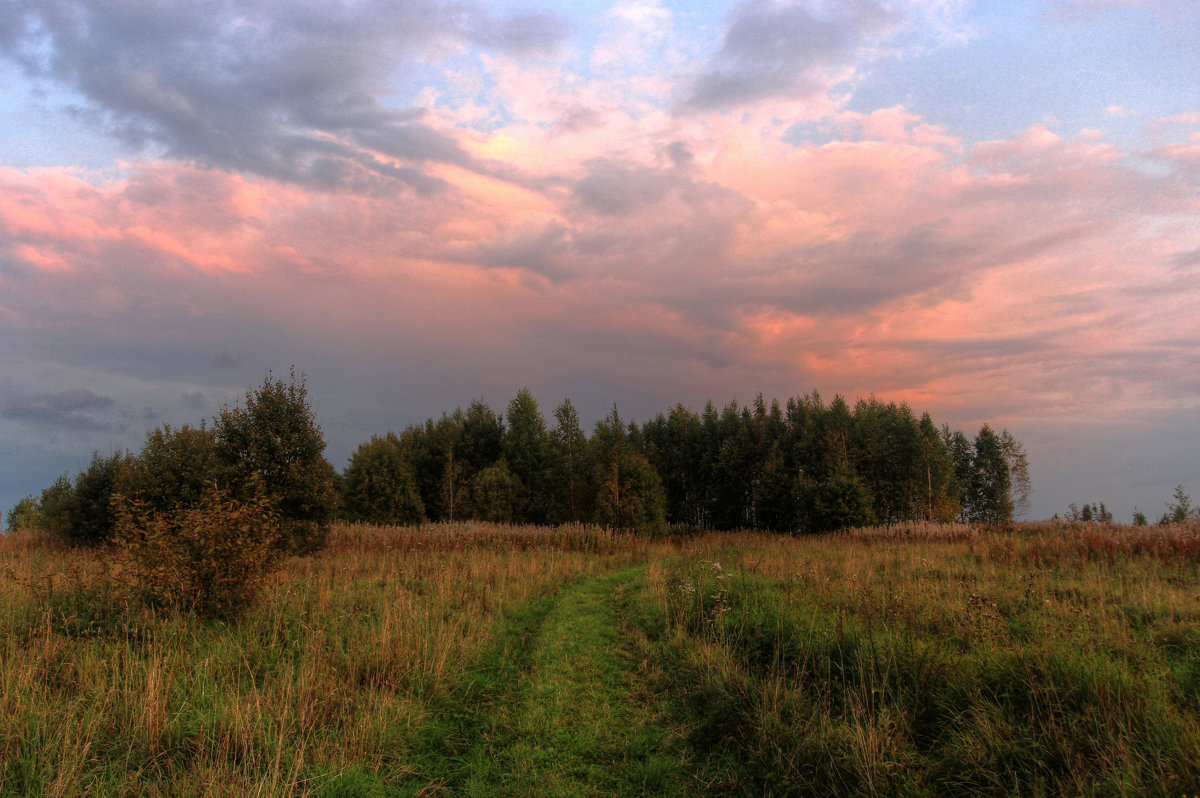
<point>549,253</point>
<point>577,119</point>
<point>774,49</point>
<point>615,189</point>
<point>523,33</point>
<point>1186,261</point>
<point>284,89</point>
<point>861,273</point>
<point>76,409</point>
<point>195,401</point>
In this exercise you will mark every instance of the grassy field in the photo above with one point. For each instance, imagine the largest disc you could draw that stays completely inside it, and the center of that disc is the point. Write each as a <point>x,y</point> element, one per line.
<point>484,660</point>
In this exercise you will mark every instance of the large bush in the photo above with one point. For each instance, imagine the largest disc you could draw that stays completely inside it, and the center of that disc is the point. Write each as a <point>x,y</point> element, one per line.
<point>175,469</point>
<point>274,445</point>
<point>496,494</point>
<point>209,556</point>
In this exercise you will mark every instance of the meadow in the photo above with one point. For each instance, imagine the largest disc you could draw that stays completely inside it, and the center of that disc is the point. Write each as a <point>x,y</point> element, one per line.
<point>476,659</point>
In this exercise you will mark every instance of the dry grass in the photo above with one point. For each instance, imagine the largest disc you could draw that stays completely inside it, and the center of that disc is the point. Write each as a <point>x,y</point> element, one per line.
<point>1040,659</point>
<point>334,667</point>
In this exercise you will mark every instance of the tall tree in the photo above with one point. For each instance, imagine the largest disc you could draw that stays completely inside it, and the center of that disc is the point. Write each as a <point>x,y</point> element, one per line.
<point>937,495</point>
<point>1020,485</point>
<point>380,484</point>
<point>570,501</point>
<point>962,461</point>
<point>990,485</point>
<point>273,444</point>
<point>629,493</point>
<point>527,450</point>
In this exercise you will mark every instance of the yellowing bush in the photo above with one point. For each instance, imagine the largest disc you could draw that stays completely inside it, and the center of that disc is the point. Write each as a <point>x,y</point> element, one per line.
<point>210,556</point>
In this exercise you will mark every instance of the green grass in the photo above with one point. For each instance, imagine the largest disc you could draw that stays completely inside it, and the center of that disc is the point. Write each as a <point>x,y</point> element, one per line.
<point>485,660</point>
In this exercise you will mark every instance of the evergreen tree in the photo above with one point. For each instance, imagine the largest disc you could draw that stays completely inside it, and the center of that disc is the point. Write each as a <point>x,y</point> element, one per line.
<point>888,445</point>
<point>570,502</point>
<point>842,501</point>
<point>937,497</point>
<point>776,504</point>
<point>527,450</point>
<point>963,464</point>
<point>674,446</point>
<point>482,441</point>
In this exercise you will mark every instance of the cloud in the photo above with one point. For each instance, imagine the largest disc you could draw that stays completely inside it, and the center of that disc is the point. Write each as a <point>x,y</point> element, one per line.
<point>792,50</point>
<point>522,220</point>
<point>287,90</point>
<point>77,409</point>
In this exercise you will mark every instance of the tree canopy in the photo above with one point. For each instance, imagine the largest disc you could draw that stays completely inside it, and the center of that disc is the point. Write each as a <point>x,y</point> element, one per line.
<point>802,466</point>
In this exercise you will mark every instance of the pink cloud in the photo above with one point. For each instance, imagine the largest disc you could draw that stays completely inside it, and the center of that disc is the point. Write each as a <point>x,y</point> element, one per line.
<point>897,260</point>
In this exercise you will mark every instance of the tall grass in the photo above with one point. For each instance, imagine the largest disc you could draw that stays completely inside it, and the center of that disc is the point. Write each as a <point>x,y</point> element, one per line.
<point>333,669</point>
<point>1037,660</point>
<point>1048,659</point>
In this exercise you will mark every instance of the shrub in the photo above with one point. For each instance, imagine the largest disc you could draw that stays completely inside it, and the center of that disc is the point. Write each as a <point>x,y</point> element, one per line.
<point>25,514</point>
<point>210,557</point>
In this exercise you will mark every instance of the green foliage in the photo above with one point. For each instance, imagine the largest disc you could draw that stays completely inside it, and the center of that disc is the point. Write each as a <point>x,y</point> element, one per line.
<point>380,486</point>
<point>209,557</point>
<point>983,472</point>
<point>776,499</point>
<point>77,512</point>
<point>274,445</point>
<point>1180,510</point>
<point>175,468</point>
<point>1021,486</point>
<point>58,505</point>
<point>527,451</point>
<point>842,501</point>
<point>496,494</point>
<point>91,516</point>
<point>25,514</point>
<point>630,495</point>
<point>754,467</point>
<point>569,500</point>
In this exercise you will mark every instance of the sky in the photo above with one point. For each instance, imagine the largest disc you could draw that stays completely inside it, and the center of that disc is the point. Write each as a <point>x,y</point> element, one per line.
<point>987,210</point>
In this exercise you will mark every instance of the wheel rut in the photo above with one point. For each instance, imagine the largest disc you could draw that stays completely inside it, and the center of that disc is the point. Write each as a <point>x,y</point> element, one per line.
<point>549,711</point>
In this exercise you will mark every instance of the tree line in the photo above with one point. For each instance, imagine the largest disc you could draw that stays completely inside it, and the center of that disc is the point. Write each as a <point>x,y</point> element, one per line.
<point>803,466</point>
<point>1180,510</point>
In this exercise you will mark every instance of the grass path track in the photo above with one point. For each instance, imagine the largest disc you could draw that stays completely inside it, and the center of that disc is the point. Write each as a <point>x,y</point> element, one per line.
<point>575,730</point>
<point>547,713</point>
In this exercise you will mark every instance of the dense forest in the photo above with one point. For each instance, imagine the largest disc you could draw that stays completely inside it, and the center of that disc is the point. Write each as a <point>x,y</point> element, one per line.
<point>806,465</point>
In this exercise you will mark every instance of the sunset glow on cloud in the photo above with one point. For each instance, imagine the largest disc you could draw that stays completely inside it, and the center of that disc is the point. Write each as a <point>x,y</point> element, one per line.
<point>645,203</point>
